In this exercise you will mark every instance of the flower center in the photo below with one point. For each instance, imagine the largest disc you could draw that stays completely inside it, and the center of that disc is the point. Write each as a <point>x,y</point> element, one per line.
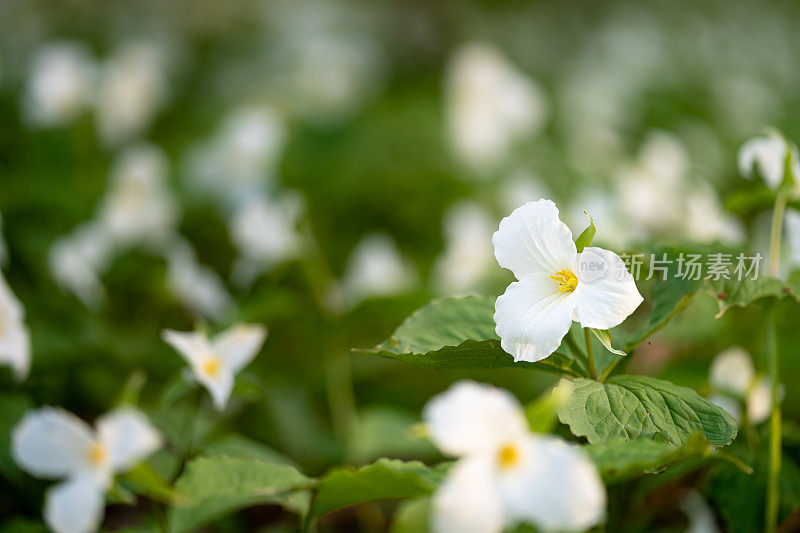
<point>566,280</point>
<point>211,366</point>
<point>97,454</point>
<point>508,456</point>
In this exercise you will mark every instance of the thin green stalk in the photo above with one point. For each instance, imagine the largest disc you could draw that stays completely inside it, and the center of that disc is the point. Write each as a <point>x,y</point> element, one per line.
<point>775,233</point>
<point>774,479</point>
<point>590,353</point>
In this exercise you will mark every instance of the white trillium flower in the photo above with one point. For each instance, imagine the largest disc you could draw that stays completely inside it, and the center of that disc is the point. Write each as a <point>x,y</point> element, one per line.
<point>506,475</point>
<point>196,286</point>
<point>133,87</point>
<point>490,105</point>
<point>216,361</point>
<point>78,260</point>
<point>52,443</point>
<point>768,155</point>
<point>376,268</point>
<point>732,371</point>
<point>138,206</point>
<point>61,84</point>
<point>556,284</point>
<point>15,339</point>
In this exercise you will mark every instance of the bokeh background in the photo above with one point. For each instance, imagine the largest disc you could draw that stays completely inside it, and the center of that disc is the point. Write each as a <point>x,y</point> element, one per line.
<point>326,167</point>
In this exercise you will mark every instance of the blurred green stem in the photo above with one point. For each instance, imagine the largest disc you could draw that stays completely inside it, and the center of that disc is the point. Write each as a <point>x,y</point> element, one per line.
<point>774,479</point>
<point>775,234</point>
<point>590,353</point>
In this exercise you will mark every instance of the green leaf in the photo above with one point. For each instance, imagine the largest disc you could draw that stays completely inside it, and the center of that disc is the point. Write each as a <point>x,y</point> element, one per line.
<point>411,516</point>
<point>629,407</point>
<point>217,486</point>
<point>621,459</point>
<point>730,292</point>
<point>242,447</point>
<point>605,338</point>
<point>383,479</point>
<point>585,238</point>
<point>388,431</point>
<point>458,333</point>
<point>542,413</point>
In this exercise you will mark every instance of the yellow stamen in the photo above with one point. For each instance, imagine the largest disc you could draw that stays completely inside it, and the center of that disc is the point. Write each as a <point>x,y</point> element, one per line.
<point>97,454</point>
<point>211,366</point>
<point>566,280</point>
<point>508,456</point>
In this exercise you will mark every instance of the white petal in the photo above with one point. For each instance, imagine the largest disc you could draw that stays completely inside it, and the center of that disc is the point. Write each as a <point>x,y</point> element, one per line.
<point>759,401</point>
<point>607,293</point>
<point>74,506</point>
<point>555,486</point>
<point>732,371</point>
<point>472,417</point>
<point>51,442</point>
<point>191,345</point>
<point>768,154</point>
<point>220,387</point>
<point>238,345</point>
<point>533,240</point>
<point>532,317</point>
<point>128,437</point>
<point>467,501</point>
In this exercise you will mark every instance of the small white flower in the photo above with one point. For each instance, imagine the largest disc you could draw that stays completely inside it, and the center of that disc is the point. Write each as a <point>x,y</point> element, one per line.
<point>265,233</point>
<point>137,206</point>
<point>467,256</point>
<point>215,362</point>
<point>732,371</point>
<point>759,400</point>
<point>52,443</point>
<point>490,105</point>
<point>133,87</point>
<point>60,86</point>
<point>15,340</point>
<point>376,268</point>
<point>197,287</point>
<point>556,284</point>
<point>78,260</point>
<point>506,475</point>
<point>767,155</point>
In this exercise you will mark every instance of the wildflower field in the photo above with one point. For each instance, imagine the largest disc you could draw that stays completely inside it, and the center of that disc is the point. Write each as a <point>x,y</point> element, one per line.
<point>332,266</point>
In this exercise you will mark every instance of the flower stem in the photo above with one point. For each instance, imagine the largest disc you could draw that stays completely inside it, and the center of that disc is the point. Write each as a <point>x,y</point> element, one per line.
<point>589,353</point>
<point>774,479</point>
<point>775,233</point>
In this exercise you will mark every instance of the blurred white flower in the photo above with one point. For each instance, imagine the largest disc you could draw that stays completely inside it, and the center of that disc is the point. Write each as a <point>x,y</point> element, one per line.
<point>767,155</point>
<point>701,516</point>
<point>78,260</point>
<point>467,256</point>
<point>732,371</point>
<point>490,105</point>
<point>376,268</point>
<point>138,208</point>
<point>556,284</point>
<point>733,381</point>
<point>196,286</point>
<point>61,84</point>
<point>52,443</point>
<point>651,189</point>
<point>705,220</point>
<point>133,88</point>
<point>241,156</point>
<point>602,206</point>
<point>506,475</point>
<point>15,339</point>
<point>759,400</point>
<point>521,187</point>
<point>215,362</point>
<point>265,233</point>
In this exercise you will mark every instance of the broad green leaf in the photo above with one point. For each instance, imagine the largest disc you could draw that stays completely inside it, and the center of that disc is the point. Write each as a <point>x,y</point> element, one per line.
<point>217,486</point>
<point>542,413</point>
<point>605,338</point>
<point>621,459</point>
<point>585,238</point>
<point>144,479</point>
<point>381,480</point>
<point>731,292</point>
<point>242,447</point>
<point>753,198</point>
<point>629,407</point>
<point>118,494</point>
<point>458,333</point>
